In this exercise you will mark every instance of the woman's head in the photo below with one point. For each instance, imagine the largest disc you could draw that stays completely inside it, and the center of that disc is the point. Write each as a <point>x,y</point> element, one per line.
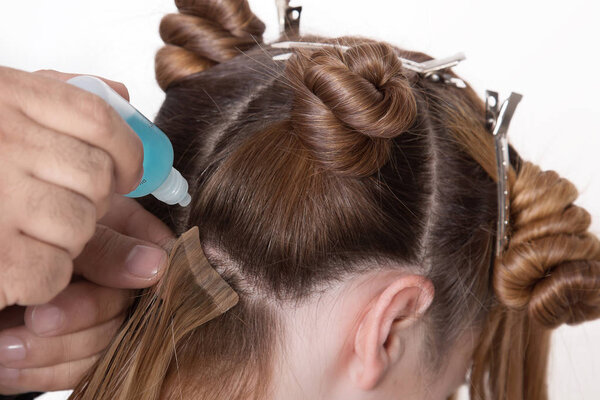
<point>352,205</point>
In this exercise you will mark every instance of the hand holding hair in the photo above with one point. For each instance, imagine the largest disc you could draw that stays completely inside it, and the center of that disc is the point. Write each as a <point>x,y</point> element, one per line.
<point>50,346</point>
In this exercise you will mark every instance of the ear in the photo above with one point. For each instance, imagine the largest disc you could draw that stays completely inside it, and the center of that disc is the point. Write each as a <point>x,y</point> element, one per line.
<point>377,341</point>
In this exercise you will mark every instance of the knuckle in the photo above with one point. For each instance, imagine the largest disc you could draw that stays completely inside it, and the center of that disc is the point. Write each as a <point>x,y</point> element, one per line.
<point>103,239</point>
<point>105,242</point>
<point>93,162</point>
<point>102,166</point>
<point>68,150</point>
<point>78,217</point>
<point>85,213</point>
<point>98,248</point>
<point>101,116</point>
<point>81,211</point>
<point>46,72</point>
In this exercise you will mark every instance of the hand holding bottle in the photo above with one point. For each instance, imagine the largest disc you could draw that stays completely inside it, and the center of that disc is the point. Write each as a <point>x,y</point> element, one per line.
<point>63,153</point>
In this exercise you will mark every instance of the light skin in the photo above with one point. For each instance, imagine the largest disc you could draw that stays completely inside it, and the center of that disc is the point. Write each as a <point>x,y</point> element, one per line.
<point>366,339</point>
<point>72,248</point>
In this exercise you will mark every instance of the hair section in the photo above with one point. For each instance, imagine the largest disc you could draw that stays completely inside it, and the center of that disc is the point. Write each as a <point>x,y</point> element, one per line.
<point>313,170</point>
<point>204,33</point>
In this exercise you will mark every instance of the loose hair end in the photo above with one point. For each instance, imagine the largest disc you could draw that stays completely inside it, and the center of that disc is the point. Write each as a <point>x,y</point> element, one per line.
<point>136,363</point>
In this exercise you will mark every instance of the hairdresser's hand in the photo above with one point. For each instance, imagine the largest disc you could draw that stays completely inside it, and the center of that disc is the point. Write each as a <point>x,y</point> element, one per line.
<point>63,153</point>
<point>50,346</point>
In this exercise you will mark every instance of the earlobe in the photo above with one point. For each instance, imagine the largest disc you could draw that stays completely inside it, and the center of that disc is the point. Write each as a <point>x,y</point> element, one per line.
<point>377,342</point>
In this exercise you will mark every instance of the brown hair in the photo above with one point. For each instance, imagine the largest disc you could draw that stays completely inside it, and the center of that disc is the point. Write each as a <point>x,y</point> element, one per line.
<point>301,171</point>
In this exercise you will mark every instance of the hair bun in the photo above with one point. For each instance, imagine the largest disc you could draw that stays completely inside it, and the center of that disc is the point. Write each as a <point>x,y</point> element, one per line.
<point>204,33</point>
<point>348,105</point>
<point>552,264</point>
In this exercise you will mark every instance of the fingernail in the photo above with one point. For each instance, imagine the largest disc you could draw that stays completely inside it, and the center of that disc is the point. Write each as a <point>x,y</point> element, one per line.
<point>11,349</point>
<point>8,375</point>
<point>46,318</point>
<point>145,261</point>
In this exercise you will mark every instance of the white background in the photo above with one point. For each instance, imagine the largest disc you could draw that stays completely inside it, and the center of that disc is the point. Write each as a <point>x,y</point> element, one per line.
<point>545,50</point>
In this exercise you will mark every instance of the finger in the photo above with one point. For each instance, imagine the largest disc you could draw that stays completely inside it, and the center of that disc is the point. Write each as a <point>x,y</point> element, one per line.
<point>85,116</point>
<point>119,261</point>
<point>81,305</point>
<point>20,348</point>
<point>57,377</point>
<point>128,217</point>
<point>62,76</point>
<point>60,159</point>
<point>33,272</point>
<point>55,215</point>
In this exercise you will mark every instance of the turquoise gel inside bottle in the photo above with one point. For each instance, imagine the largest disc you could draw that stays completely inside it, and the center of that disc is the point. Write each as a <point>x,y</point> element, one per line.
<point>158,155</point>
<point>160,178</point>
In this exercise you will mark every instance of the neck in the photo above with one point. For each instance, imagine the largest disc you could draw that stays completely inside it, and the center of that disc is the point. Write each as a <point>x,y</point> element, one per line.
<point>313,360</point>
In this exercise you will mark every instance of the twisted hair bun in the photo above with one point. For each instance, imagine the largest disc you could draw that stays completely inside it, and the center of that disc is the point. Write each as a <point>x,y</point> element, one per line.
<point>348,105</point>
<point>204,33</point>
<point>552,264</point>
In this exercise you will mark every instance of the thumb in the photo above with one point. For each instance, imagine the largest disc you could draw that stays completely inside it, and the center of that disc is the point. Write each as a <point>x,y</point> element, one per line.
<point>115,260</point>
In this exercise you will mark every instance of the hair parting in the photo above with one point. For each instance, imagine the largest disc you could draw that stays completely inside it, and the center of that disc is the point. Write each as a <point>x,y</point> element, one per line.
<point>312,170</point>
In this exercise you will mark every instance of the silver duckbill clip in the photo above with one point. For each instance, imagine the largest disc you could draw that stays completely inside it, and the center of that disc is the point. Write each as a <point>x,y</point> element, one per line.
<point>289,25</point>
<point>289,18</point>
<point>498,119</point>
<point>431,69</point>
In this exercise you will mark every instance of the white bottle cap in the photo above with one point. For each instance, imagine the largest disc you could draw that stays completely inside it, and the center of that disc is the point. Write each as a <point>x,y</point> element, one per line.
<point>173,190</point>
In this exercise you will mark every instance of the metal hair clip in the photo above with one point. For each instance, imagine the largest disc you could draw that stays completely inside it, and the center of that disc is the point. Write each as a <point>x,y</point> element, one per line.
<point>289,18</point>
<point>431,69</point>
<point>498,119</point>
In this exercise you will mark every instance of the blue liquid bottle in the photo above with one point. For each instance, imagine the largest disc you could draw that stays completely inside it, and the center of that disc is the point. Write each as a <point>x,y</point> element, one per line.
<point>160,178</point>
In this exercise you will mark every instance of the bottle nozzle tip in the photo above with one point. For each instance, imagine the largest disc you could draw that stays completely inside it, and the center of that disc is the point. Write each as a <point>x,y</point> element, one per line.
<point>186,200</point>
<point>174,188</point>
